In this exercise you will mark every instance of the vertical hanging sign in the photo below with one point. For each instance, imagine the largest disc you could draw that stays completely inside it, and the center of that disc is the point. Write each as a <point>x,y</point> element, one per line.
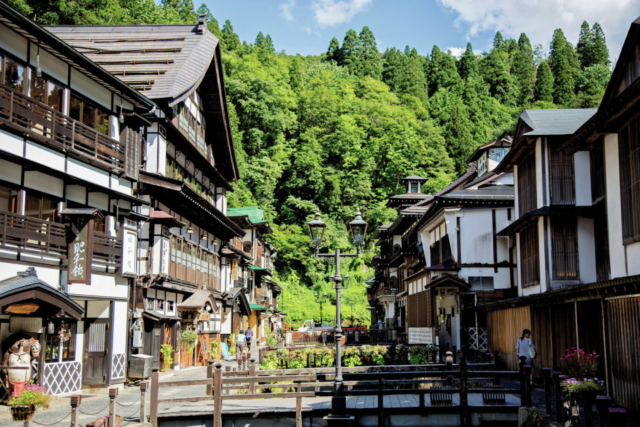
<point>79,265</point>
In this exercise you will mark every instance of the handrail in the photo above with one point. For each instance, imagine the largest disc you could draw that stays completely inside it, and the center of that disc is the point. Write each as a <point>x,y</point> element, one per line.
<point>32,235</point>
<point>58,130</point>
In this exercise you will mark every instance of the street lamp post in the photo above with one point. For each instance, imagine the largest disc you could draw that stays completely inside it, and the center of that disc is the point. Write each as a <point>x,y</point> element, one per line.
<point>358,229</point>
<point>351,301</point>
<point>321,300</point>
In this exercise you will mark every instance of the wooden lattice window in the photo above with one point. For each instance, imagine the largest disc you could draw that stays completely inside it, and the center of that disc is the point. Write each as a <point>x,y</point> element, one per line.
<point>529,256</point>
<point>629,152</point>
<point>564,248</point>
<point>527,189</point>
<point>561,179</point>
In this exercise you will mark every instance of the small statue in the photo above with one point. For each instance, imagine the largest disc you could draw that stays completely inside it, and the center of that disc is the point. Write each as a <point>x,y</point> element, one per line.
<point>23,348</point>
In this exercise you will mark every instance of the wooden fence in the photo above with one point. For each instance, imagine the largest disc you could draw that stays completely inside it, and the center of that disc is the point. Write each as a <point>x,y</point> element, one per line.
<point>378,381</point>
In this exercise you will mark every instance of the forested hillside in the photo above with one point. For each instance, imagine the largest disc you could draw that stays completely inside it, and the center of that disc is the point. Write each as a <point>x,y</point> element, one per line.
<point>340,130</point>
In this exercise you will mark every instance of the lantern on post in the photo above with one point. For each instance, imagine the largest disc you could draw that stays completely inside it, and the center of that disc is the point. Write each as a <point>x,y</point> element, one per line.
<point>317,228</point>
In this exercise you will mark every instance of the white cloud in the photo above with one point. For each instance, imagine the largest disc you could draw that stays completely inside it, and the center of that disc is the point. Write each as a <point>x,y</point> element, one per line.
<point>539,18</point>
<point>285,9</point>
<point>333,12</point>
<point>458,51</point>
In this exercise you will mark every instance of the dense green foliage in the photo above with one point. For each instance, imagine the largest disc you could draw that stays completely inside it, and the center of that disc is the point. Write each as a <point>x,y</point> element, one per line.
<point>339,130</point>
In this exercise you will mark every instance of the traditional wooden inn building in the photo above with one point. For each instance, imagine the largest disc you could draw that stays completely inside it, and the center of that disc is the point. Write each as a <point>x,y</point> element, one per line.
<point>262,291</point>
<point>69,165</point>
<point>436,252</point>
<point>192,264</point>
<point>578,233</point>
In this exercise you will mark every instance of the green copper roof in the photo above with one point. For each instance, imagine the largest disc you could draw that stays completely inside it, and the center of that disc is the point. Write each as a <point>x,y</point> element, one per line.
<point>255,215</point>
<point>257,307</point>
<point>254,268</point>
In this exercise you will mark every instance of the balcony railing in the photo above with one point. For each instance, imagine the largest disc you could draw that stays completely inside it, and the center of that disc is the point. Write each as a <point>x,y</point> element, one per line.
<point>53,128</point>
<point>23,234</point>
<point>268,264</point>
<point>239,283</point>
<point>386,291</point>
<point>107,253</point>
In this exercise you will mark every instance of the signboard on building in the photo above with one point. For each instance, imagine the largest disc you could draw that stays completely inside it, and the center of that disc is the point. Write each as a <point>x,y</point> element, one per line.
<point>26,324</point>
<point>79,266</point>
<point>420,335</point>
<point>129,244</point>
<point>164,256</point>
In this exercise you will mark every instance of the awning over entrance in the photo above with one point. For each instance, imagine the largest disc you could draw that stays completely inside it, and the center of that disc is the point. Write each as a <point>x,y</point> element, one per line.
<point>198,300</point>
<point>237,296</point>
<point>157,316</point>
<point>447,281</point>
<point>26,294</point>
<point>257,307</point>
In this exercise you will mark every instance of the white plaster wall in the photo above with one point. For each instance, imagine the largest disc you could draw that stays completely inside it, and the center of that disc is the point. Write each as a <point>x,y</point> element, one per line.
<point>11,172</point>
<point>582,165</point>
<point>476,236</point>
<point>45,156</point>
<point>121,326</point>
<point>79,341</point>
<point>633,258</point>
<point>13,43</point>
<point>50,64</point>
<point>77,193</point>
<point>614,213</point>
<point>99,200</point>
<point>505,179</point>
<point>50,276</point>
<point>88,173</point>
<point>515,192</point>
<point>11,143</point>
<point>540,179</point>
<point>500,279</point>
<point>45,183</point>
<point>90,89</point>
<point>96,309</point>
<point>586,250</point>
<point>101,286</point>
<point>397,239</point>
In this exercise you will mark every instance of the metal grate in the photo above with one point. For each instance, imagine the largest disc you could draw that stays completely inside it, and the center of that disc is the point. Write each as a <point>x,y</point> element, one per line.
<point>97,337</point>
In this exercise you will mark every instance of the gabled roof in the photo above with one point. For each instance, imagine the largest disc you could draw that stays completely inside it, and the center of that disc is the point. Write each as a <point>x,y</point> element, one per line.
<point>28,285</point>
<point>415,177</point>
<point>58,48</point>
<point>500,142</point>
<point>555,122</point>
<point>162,61</point>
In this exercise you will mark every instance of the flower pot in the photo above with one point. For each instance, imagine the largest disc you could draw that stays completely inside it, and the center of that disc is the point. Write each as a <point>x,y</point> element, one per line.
<point>22,412</point>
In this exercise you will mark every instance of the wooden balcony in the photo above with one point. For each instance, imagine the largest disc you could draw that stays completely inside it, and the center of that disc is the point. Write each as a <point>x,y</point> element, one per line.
<point>52,128</point>
<point>385,291</point>
<point>22,234</point>
<point>107,253</point>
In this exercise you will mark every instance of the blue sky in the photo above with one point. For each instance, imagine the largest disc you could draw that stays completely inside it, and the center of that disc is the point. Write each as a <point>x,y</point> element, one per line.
<point>307,26</point>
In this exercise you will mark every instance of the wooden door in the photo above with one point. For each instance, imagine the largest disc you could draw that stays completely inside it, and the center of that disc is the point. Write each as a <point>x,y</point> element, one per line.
<point>156,341</point>
<point>96,351</point>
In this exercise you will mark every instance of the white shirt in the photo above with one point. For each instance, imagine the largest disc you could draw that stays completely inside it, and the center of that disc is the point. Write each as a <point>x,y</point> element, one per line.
<point>523,345</point>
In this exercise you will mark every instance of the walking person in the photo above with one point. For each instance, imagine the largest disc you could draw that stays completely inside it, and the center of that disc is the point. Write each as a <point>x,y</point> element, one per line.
<point>526,350</point>
<point>240,339</point>
<point>249,336</point>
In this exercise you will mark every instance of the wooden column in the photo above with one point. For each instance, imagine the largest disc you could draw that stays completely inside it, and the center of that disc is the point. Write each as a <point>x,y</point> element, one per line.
<point>217,395</point>
<point>144,385</point>
<point>252,373</point>
<point>155,388</point>
<point>465,419</point>
<point>298,404</point>
<point>113,394</point>
<point>76,399</point>
<point>546,376</point>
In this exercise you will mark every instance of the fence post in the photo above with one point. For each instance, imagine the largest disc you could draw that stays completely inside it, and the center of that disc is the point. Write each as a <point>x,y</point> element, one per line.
<point>217,395</point>
<point>210,376</point>
<point>244,361</point>
<point>546,376</point>
<point>76,399</point>
<point>252,373</point>
<point>143,401</point>
<point>298,405</point>
<point>557,394</point>
<point>155,388</point>
<point>527,384</point>
<point>381,402</point>
<point>464,398</point>
<point>566,411</point>
<point>113,394</point>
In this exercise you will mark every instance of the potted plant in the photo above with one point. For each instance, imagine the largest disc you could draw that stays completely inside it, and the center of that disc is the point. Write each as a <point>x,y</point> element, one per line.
<point>165,351</point>
<point>215,346</point>
<point>32,399</point>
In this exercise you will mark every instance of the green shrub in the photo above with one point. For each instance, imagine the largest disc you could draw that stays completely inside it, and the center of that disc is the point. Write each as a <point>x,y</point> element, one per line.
<point>378,353</point>
<point>297,359</point>
<point>165,351</point>
<point>189,337</point>
<point>269,362</point>
<point>33,394</point>
<point>351,357</point>
<point>418,355</point>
